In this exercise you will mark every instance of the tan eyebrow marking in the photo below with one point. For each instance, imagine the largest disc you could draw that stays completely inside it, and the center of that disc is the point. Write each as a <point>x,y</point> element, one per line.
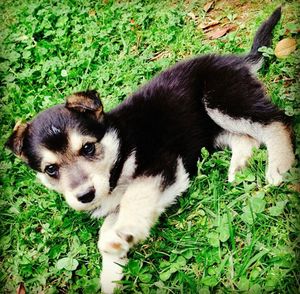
<point>76,140</point>
<point>48,157</point>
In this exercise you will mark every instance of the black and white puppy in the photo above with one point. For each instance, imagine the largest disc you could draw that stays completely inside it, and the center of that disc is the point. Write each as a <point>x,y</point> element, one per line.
<point>131,163</point>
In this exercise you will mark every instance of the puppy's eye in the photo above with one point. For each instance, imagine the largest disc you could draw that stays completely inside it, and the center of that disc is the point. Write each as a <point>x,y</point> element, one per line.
<point>51,170</point>
<point>88,149</point>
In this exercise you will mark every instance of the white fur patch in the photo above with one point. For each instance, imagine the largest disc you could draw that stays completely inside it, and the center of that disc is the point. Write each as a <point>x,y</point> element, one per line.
<point>48,182</point>
<point>177,188</point>
<point>138,207</point>
<point>275,136</point>
<point>54,130</point>
<point>110,202</point>
<point>238,126</point>
<point>144,200</point>
<point>241,146</point>
<point>111,143</point>
<point>128,170</point>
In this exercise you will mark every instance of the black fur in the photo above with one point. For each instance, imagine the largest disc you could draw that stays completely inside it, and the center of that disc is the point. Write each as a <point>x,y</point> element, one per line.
<point>166,118</point>
<point>263,36</point>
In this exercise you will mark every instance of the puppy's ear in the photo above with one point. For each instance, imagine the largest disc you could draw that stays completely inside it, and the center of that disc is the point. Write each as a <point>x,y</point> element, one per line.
<point>88,101</point>
<point>15,141</point>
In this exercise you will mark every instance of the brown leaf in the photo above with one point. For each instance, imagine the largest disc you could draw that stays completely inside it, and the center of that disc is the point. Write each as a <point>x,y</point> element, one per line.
<point>208,6</point>
<point>21,289</point>
<point>159,55</point>
<point>208,25</point>
<point>220,32</point>
<point>295,187</point>
<point>285,47</point>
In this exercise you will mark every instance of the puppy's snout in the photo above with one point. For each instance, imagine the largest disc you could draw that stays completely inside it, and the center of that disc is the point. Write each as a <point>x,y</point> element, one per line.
<point>87,196</point>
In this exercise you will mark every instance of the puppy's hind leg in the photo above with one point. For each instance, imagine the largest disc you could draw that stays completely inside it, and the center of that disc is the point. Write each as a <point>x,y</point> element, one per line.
<point>276,135</point>
<point>241,146</point>
<point>277,138</point>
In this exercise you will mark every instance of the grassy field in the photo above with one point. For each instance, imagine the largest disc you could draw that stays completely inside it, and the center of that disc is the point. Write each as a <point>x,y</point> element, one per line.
<point>219,237</point>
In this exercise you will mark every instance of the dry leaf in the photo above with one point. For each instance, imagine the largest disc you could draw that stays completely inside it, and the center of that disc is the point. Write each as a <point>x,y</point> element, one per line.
<point>217,33</point>
<point>21,289</point>
<point>159,55</point>
<point>208,6</point>
<point>295,187</point>
<point>285,47</point>
<point>208,25</point>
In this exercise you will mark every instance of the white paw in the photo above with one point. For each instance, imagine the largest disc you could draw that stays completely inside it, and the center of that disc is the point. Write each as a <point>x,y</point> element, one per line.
<point>112,271</point>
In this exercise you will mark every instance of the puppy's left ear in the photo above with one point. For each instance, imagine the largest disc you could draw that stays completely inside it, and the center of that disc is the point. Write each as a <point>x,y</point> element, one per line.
<point>88,102</point>
<point>15,141</point>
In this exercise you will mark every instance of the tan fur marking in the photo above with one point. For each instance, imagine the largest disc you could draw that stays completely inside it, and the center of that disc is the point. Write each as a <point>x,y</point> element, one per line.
<point>82,103</point>
<point>17,138</point>
<point>116,246</point>
<point>76,141</point>
<point>48,157</point>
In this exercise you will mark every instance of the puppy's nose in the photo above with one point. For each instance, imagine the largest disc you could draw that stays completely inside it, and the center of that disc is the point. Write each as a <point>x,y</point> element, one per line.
<point>87,197</point>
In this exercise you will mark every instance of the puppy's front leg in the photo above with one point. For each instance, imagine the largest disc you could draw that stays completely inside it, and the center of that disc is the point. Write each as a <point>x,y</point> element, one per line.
<point>112,262</point>
<point>139,209</point>
<point>138,212</point>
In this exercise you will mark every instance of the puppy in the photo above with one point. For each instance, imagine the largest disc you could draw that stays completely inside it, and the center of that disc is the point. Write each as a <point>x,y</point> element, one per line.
<point>129,164</point>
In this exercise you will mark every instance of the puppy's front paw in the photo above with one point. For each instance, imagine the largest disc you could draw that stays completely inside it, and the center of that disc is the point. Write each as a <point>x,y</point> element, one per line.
<point>112,271</point>
<point>113,248</point>
<point>114,243</point>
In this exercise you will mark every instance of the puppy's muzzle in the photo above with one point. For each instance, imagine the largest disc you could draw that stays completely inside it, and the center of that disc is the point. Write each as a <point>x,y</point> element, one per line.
<point>87,196</point>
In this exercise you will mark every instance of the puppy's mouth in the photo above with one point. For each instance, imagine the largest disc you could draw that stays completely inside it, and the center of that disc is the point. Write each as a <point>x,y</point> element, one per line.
<point>91,206</point>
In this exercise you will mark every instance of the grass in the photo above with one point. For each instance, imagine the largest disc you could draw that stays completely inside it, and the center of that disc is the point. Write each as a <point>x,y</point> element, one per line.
<point>219,237</point>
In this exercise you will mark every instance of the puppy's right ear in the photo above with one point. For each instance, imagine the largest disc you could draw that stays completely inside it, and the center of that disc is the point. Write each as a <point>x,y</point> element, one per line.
<point>15,141</point>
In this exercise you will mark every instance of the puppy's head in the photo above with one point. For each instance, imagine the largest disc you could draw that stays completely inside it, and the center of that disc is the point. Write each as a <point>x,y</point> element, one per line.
<point>71,149</point>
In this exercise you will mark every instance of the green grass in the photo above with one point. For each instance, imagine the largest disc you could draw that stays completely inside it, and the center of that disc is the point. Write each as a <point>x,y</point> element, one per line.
<point>219,237</point>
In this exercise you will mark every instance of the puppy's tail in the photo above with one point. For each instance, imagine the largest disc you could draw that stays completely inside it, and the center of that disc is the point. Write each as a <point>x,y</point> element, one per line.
<point>263,37</point>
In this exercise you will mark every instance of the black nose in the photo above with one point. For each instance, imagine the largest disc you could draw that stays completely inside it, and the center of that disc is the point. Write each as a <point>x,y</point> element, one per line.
<point>87,197</point>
